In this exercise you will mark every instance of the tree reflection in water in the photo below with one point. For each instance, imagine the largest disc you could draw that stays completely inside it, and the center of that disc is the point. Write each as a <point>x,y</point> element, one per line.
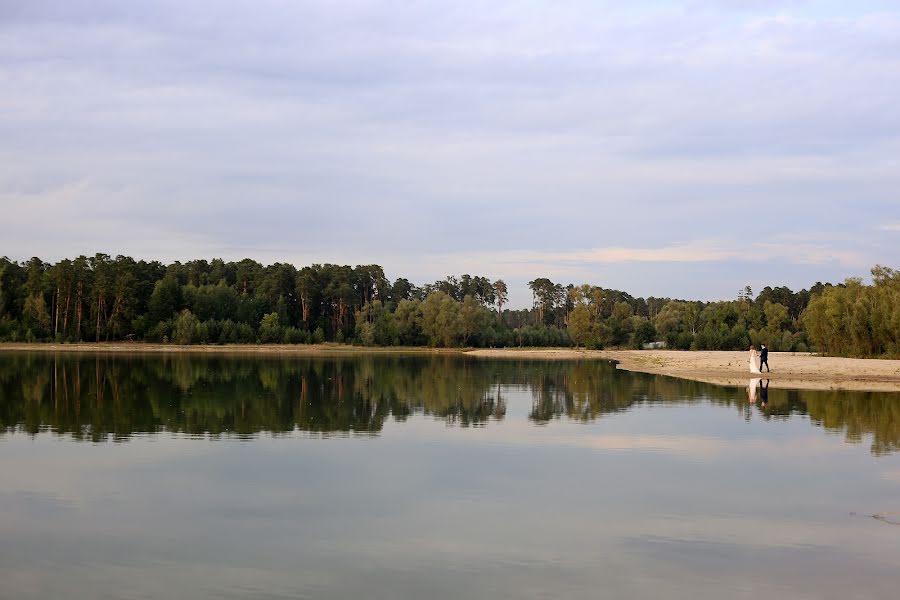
<point>98,397</point>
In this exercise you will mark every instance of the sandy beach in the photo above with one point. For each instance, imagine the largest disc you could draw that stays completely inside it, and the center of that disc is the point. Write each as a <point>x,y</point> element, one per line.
<point>789,370</point>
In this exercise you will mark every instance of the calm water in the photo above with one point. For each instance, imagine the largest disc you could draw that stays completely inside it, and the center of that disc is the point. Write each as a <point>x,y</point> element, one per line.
<point>431,478</point>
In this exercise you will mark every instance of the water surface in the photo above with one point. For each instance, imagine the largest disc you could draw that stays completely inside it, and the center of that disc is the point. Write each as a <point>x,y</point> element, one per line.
<point>435,477</point>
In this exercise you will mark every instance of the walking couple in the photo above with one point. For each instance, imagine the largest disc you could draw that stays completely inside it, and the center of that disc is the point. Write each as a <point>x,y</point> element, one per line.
<point>758,359</point>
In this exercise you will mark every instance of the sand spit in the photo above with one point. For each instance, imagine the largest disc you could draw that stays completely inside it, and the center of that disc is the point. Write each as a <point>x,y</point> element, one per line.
<point>789,370</point>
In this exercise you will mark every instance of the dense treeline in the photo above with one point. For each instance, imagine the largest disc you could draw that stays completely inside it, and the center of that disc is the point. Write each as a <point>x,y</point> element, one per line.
<point>95,397</point>
<point>216,302</point>
<point>857,319</point>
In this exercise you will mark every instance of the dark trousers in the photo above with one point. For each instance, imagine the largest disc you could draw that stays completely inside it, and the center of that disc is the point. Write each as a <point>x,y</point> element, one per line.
<point>765,361</point>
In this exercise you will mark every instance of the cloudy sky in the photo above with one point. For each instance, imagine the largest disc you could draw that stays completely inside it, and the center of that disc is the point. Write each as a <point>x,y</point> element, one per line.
<point>666,148</point>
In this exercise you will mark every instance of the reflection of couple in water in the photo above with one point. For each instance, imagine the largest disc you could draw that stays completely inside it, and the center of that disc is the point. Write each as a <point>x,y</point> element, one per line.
<point>763,391</point>
<point>757,360</point>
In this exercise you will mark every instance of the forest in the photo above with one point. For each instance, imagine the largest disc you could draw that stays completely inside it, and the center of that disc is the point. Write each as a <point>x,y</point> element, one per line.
<point>101,298</point>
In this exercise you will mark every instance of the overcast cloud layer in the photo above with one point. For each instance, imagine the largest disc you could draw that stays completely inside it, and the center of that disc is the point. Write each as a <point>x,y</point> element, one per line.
<point>674,149</point>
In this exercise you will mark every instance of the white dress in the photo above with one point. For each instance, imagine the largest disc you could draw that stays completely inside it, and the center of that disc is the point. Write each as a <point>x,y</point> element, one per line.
<point>754,361</point>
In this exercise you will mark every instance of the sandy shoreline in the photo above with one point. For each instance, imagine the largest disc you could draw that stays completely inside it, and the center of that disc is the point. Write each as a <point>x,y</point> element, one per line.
<point>790,370</point>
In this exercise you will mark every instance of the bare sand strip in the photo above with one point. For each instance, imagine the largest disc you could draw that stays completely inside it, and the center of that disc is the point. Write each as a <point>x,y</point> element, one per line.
<point>790,370</point>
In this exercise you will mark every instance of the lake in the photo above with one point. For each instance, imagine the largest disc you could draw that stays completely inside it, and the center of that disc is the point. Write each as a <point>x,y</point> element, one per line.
<point>433,477</point>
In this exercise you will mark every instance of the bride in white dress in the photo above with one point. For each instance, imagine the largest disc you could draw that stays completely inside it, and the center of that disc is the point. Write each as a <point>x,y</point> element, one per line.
<point>754,360</point>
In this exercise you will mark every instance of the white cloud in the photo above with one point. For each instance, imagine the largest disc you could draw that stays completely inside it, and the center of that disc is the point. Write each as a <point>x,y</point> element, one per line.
<point>700,251</point>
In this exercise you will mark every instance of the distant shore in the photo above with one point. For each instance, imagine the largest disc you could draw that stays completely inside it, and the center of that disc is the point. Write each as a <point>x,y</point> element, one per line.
<point>790,370</point>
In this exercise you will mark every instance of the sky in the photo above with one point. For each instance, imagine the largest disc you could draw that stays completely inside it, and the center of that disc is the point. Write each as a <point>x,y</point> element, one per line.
<point>682,149</point>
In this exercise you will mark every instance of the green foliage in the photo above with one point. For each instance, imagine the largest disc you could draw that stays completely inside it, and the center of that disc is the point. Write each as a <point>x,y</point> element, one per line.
<point>216,302</point>
<point>541,336</point>
<point>582,327</point>
<point>408,320</point>
<point>376,325</point>
<point>37,317</point>
<point>777,322</point>
<point>293,335</point>
<point>856,319</point>
<point>185,330</point>
<point>474,318</point>
<point>549,300</point>
<point>166,299</point>
<point>671,319</point>
<point>270,331</point>
<point>644,332</point>
<point>441,321</point>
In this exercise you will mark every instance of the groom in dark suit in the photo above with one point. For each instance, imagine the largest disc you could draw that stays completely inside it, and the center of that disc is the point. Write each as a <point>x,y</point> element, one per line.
<point>764,358</point>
